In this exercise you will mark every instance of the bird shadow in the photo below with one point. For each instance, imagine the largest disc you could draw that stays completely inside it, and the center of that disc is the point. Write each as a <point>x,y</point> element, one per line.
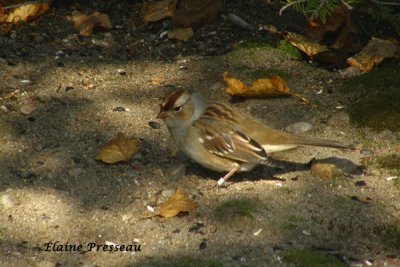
<point>276,168</point>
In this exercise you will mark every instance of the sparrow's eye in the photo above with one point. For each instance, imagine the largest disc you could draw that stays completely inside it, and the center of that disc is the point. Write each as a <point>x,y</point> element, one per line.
<point>178,108</point>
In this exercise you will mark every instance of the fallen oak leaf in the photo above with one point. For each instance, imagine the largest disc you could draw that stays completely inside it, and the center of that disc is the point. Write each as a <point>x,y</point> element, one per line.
<point>304,44</point>
<point>274,86</point>
<point>176,204</point>
<point>86,23</point>
<point>374,53</point>
<point>27,12</point>
<point>118,149</point>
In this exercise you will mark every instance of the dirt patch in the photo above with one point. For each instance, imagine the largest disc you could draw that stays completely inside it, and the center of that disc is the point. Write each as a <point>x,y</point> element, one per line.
<point>63,96</point>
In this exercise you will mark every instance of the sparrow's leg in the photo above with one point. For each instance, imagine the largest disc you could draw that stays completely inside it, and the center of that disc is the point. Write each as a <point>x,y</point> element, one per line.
<point>222,180</point>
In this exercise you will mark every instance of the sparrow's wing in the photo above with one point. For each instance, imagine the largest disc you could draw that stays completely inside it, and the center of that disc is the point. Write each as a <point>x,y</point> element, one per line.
<point>223,139</point>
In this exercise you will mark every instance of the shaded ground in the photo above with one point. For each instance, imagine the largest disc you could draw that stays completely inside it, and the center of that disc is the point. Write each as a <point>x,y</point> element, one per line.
<point>72,102</point>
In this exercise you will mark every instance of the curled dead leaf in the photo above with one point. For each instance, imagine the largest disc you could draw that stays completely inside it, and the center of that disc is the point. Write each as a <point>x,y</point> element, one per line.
<point>26,12</point>
<point>177,203</point>
<point>274,86</point>
<point>86,23</point>
<point>118,149</point>
<point>304,44</point>
<point>271,87</point>
<point>374,53</point>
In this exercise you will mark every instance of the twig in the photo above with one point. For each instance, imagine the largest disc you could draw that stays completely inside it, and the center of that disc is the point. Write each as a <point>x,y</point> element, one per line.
<point>289,5</point>
<point>385,3</point>
<point>349,7</point>
<point>315,13</point>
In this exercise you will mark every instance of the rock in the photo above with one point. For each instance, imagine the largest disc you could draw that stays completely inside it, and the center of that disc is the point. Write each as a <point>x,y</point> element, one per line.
<point>119,109</point>
<point>365,152</point>
<point>360,183</point>
<point>175,172</point>
<point>6,201</point>
<point>28,108</point>
<point>154,124</point>
<point>325,170</point>
<point>75,172</point>
<point>167,193</point>
<point>299,127</point>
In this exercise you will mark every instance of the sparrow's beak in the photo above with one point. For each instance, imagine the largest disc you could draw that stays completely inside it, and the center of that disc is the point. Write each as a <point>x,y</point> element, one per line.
<point>162,115</point>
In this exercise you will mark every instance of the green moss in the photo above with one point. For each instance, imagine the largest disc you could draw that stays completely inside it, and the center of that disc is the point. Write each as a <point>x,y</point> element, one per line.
<point>185,261</point>
<point>391,162</point>
<point>237,207</point>
<point>267,73</point>
<point>252,44</point>
<point>307,258</point>
<point>289,49</point>
<point>378,106</point>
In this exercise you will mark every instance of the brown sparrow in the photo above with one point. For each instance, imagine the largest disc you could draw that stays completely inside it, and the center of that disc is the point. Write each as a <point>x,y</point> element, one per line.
<point>222,138</point>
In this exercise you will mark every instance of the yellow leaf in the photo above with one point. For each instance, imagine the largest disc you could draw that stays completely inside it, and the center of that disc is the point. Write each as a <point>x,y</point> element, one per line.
<point>27,12</point>
<point>86,23</point>
<point>175,204</point>
<point>181,34</point>
<point>374,53</point>
<point>304,44</point>
<point>274,86</point>
<point>118,149</point>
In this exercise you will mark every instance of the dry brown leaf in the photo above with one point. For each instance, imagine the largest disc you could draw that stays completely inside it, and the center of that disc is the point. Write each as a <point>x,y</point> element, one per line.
<point>175,204</point>
<point>304,44</point>
<point>274,86</point>
<point>118,149</point>
<point>181,34</point>
<point>86,23</point>
<point>374,53</point>
<point>27,12</point>
<point>157,10</point>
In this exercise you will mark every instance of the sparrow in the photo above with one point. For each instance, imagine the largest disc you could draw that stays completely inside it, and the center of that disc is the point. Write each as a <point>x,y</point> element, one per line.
<point>223,138</point>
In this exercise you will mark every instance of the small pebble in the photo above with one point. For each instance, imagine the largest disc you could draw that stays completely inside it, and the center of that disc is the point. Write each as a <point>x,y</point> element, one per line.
<point>305,232</point>
<point>119,109</point>
<point>60,53</point>
<point>154,124</point>
<point>299,127</point>
<point>366,152</point>
<point>122,72</point>
<point>167,193</point>
<point>175,172</point>
<point>6,201</point>
<point>28,108</point>
<point>75,172</point>
<point>360,183</point>
<point>203,245</point>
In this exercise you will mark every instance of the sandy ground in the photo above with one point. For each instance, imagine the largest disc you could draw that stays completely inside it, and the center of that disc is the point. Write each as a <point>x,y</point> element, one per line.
<point>59,108</point>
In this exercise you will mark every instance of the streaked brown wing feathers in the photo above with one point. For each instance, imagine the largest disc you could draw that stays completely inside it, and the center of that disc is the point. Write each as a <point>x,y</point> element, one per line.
<point>222,139</point>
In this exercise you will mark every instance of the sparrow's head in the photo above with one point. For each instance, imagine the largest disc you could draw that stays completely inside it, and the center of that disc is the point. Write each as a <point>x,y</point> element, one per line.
<point>177,108</point>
